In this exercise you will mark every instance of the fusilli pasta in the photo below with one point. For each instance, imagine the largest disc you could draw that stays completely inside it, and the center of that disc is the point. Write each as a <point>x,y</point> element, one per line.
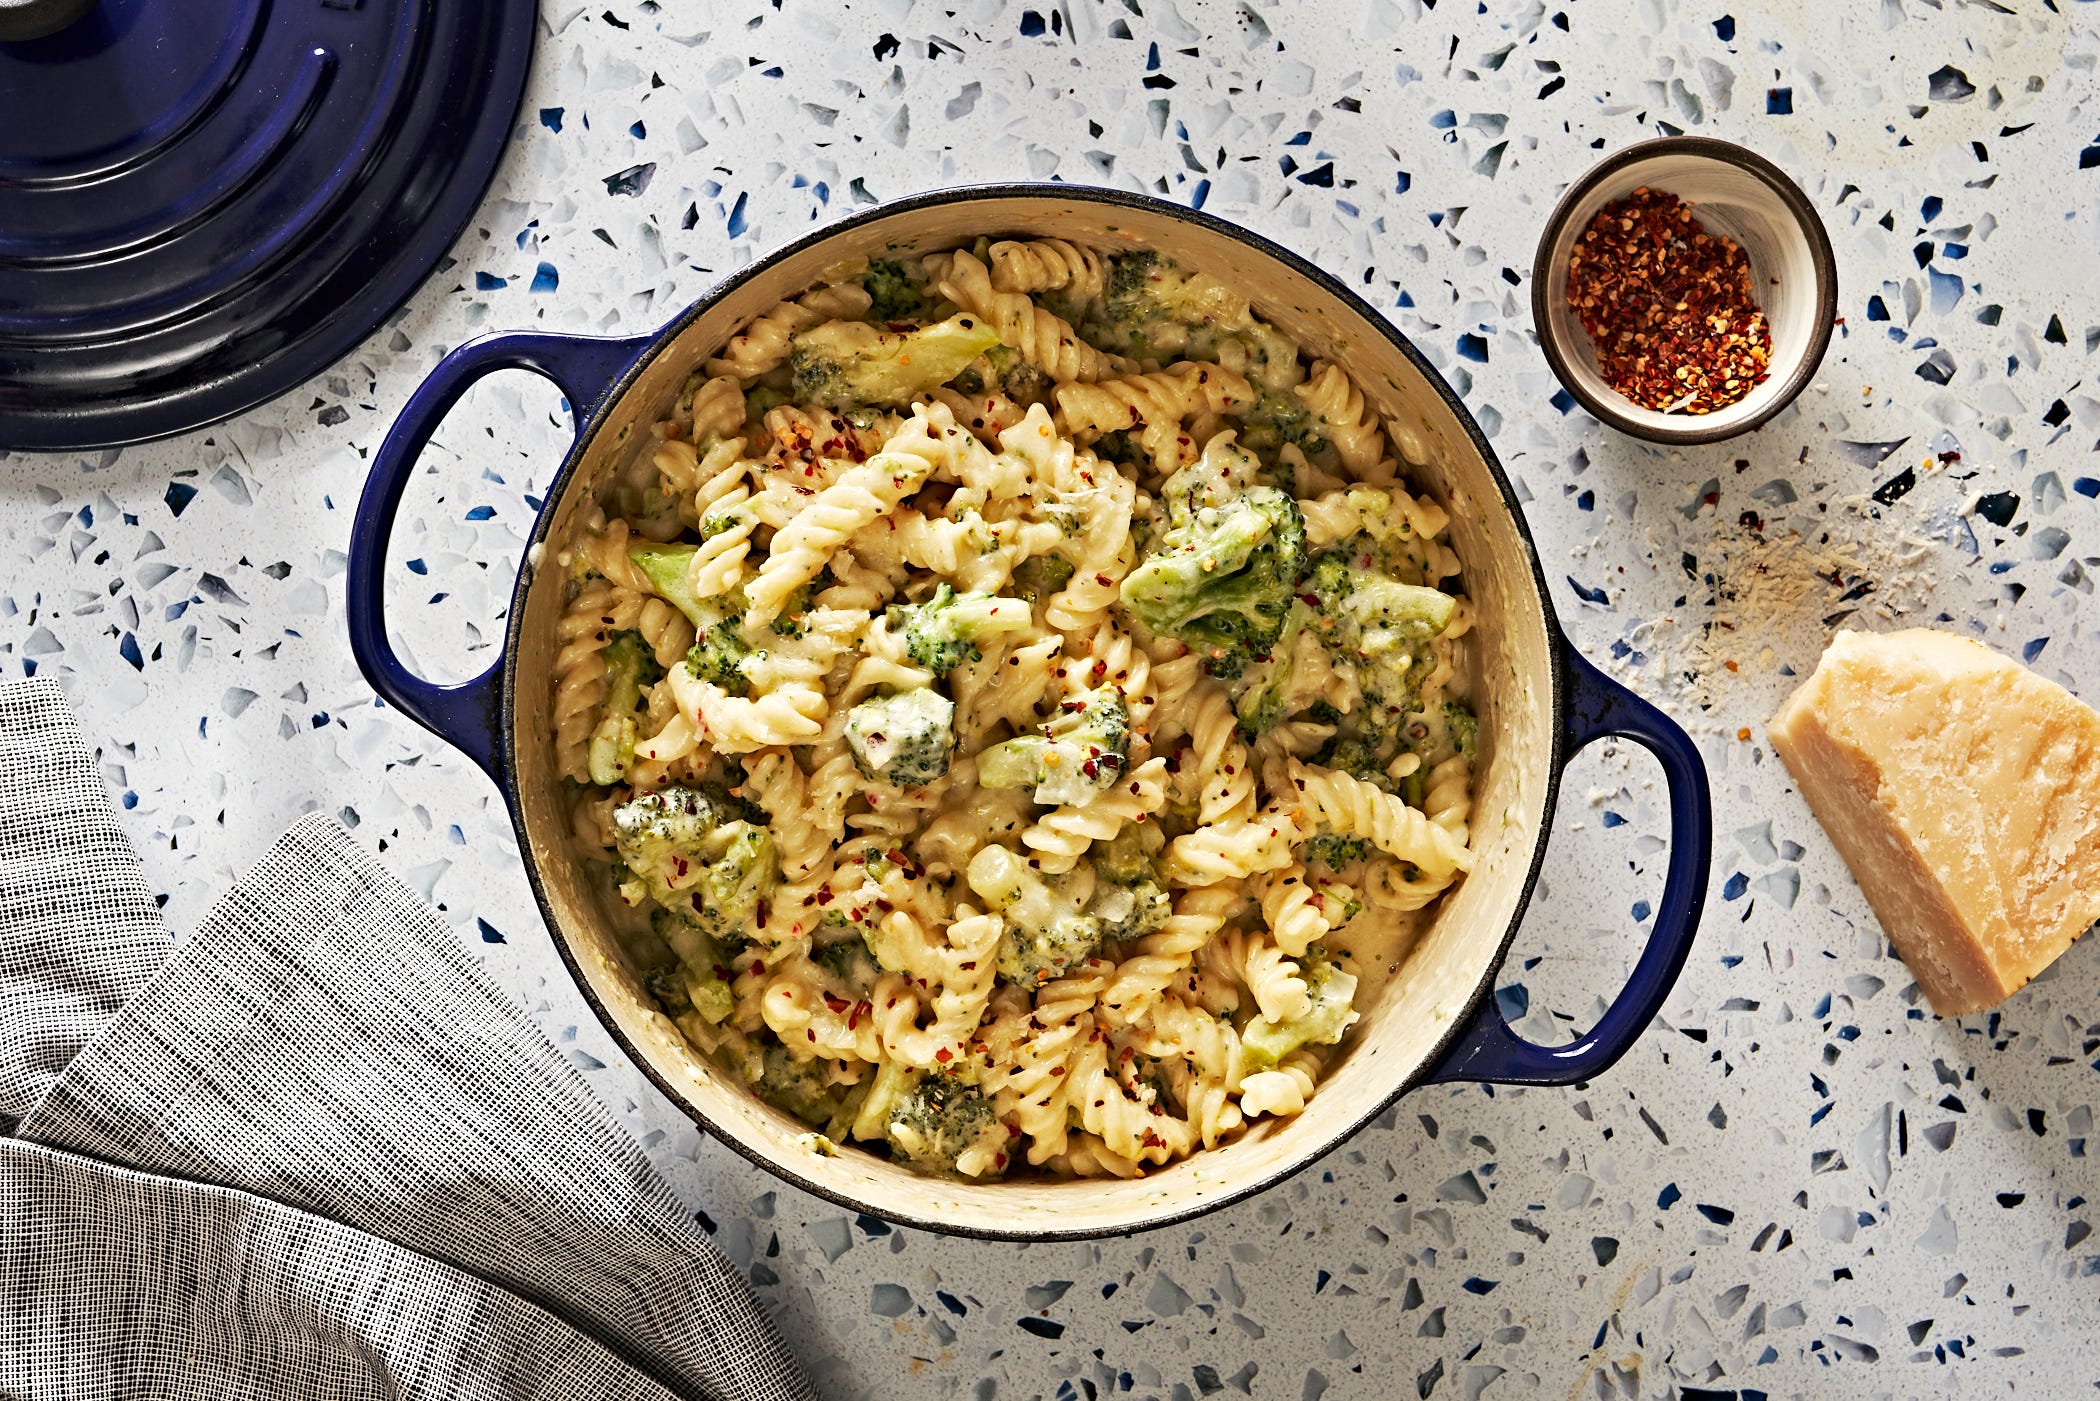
<point>1010,788</point>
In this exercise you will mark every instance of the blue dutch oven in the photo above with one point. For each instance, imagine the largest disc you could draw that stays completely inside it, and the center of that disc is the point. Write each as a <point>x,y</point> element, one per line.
<point>1540,703</point>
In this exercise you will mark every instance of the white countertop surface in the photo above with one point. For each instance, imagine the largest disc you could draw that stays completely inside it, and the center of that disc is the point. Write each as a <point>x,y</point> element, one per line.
<point>1798,1182</point>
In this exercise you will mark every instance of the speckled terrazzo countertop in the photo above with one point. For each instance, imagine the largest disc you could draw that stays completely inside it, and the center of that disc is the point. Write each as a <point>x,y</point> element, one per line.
<point>1799,1182</point>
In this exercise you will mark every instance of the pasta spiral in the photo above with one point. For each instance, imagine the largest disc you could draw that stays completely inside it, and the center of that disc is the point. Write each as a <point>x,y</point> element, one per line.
<point>802,547</point>
<point>1354,808</point>
<point>1044,339</point>
<point>1046,265</point>
<point>1351,425</point>
<point>1060,837</point>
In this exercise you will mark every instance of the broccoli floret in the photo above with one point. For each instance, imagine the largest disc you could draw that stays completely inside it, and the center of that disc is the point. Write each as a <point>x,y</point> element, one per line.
<point>789,621</point>
<point>706,972</point>
<point>943,632</point>
<point>1121,447</point>
<point>1264,1043</point>
<point>1380,625</point>
<point>1145,287</point>
<point>1039,576</point>
<point>904,739</point>
<point>1018,380</point>
<point>667,985</point>
<point>1327,584</point>
<point>1224,471</point>
<point>695,851</point>
<point>1277,417</point>
<point>1044,935</point>
<point>1334,851</point>
<point>629,666</point>
<point>1080,752</point>
<point>1132,911</point>
<point>1464,728</point>
<point>1129,274</point>
<point>850,362</point>
<point>1001,368</point>
<point>1262,695</point>
<point>1030,957</point>
<point>1389,626</point>
<point>848,960</point>
<point>718,655</point>
<point>942,1119</point>
<point>798,1086</point>
<point>1222,581</point>
<point>1354,755</point>
<point>896,296</point>
<point>1411,612</point>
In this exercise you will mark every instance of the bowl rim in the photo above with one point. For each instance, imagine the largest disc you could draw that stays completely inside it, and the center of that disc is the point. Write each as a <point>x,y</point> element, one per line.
<point>654,344</point>
<point>1821,257</point>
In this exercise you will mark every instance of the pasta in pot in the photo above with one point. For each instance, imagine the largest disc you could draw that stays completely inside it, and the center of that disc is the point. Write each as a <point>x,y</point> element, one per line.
<point>1025,720</point>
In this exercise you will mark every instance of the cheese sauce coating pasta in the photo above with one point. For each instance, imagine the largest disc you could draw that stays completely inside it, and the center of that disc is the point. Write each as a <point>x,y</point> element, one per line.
<point>1016,709</point>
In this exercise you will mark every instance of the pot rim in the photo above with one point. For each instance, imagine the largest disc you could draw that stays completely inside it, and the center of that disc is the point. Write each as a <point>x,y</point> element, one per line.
<point>1555,758</point>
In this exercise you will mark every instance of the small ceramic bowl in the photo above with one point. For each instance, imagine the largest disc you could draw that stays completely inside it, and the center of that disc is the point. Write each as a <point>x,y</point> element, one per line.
<point>1736,193</point>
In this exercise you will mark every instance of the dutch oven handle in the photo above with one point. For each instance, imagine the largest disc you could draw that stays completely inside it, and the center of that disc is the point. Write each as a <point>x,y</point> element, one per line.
<point>1486,1048</point>
<point>465,715</point>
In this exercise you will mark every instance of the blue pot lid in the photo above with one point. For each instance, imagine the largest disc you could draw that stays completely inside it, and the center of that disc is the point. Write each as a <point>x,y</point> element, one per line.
<point>204,203</point>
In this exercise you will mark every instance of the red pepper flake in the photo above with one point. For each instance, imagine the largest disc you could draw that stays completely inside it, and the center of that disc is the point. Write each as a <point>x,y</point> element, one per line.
<point>1668,306</point>
<point>944,1055</point>
<point>836,1004</point>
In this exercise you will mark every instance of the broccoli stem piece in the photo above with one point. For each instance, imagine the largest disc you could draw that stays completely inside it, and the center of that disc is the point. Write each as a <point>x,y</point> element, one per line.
<point>705,971</point>
<point>1263,1043</point>
<point>1013,763</point>
<point>843,363</point>
<point>904,739</point>
<point>1081,751</point>
<point>1039,576</point>
<point>629,666</point>
<point>665,568</point>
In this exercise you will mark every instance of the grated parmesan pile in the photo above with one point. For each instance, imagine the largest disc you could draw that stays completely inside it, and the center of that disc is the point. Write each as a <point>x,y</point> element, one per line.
<point>1764,595</point>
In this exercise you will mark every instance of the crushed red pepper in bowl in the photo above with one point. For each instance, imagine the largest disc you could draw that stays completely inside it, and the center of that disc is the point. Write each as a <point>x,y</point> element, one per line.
<point>1669,306</point>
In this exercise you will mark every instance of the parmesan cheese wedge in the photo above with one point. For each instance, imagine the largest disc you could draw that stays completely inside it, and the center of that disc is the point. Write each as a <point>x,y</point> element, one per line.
<point>1964,792</point>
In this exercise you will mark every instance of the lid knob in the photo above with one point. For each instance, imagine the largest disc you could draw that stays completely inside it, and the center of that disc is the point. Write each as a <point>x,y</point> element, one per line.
<point>33,19</point>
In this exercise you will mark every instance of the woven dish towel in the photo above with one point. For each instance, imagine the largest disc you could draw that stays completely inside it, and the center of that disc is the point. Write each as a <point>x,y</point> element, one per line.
<point>314,1151</point>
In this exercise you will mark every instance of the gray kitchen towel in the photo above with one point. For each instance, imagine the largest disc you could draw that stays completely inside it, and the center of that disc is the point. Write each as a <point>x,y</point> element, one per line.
<point>319,1153</point>
<point>79,931</point>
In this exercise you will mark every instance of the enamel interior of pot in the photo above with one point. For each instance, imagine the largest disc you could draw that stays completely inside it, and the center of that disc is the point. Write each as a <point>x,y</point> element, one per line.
<point>1404,1020</point>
